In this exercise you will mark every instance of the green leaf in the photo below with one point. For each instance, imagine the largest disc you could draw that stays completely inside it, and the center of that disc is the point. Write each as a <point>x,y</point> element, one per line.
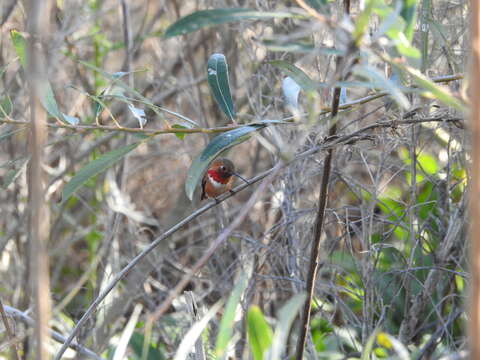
<point>286,316</point>
<point>318,5</point>
<point>226,324</point>
<point>380,81</point>
<point>204,18</point>
<point>136,344</point>
<point>427,163</point>
<point>20,46</point>
<point>216,146</point>
<point>439,92</point>
<point>179,135</point>
<point>6,106</point>
<point>47,97</point>
<point>258,332</point>
<point>361,23</point>
<point>7,134</point>
<point>296,74</point>
<point>369,345</point>
<point>13,174</point>
<point>294,47</point>
<point>217,76</point>
<point>409,15</point>
<point>95,167</point>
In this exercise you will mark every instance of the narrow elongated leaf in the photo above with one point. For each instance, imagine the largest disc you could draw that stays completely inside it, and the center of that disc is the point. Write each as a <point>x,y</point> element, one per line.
<point>386,84</point>
<point>296,74</point>
<point>409,15</point>
<point>136,344</point>
<point>286,315</point>
<point>13,174</point>
<point>204,18</point>
<point>139,114</point>
<point>343,96</point>
<point>6,106</point>
<point>95,167</point>
<point>217,76</point>
<point>361,24</point>
<point>20,46</point>
<point>294,47</point>
<point>195,332</point>
<point>318,5</point>
<point>7,134</point>
<point>439,92</point>
<point>258,332</point>
<point>47,97</point>
<point>228,319</point>
<point>216,146</point>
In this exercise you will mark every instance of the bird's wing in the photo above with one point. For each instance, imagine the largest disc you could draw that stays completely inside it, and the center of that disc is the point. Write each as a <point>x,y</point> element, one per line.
<point>204,195</point>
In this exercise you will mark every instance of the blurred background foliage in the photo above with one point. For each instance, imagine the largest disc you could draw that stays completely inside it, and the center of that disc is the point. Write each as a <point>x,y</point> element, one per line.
<point>393,267</point>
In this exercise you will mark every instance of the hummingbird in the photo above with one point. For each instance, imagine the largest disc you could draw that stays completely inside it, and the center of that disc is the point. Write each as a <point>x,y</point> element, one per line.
<point>218,178</point>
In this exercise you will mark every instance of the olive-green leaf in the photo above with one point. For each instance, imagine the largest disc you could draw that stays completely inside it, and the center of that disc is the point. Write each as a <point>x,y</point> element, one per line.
<point>12,174</point>
<point>179,135</point>
<point>259,333</point>
<point>6,106</point>
<point>20,46</point>
<point>95,167</point>
<point>383,83</point>
<point>5,135</point>
<point>216,146</point>
<point>296,74</point>
<point>286,315</point>
<point>47,97</point>
<point>409,15</point>
<point>204,18</point>
<point>318,5</point>
<point>228,319</point>
<point>217,76</point>
<point>361,23</point>
<point>437,91</point>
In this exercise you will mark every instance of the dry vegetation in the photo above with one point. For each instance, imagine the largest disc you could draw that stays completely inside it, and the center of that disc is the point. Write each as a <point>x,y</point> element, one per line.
<point>393,251</point>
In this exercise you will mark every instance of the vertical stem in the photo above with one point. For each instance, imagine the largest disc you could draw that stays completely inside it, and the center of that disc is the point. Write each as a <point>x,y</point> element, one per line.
<point>424,28</point>
<point>37,24</point>
<point>475,184</point>
<point>322,203</point>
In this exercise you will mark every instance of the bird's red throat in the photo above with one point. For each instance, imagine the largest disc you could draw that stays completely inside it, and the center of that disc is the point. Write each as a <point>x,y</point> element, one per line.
<point>216,176</point>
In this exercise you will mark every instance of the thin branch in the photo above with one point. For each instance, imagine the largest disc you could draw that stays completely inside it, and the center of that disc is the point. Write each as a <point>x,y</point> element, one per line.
<point>322,203</point>
<point>124,272</point>
<point>27,320</point>
<point>170,130</point>
<point>10,334</point>
<point>214,246</point>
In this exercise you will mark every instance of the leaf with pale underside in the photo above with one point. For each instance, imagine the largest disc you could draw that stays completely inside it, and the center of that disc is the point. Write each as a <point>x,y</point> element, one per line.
<point>218,144</point>
<point>217,76</point>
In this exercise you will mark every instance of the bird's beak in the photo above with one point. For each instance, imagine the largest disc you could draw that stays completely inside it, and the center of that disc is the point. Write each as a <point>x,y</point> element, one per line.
<point>240,177</point>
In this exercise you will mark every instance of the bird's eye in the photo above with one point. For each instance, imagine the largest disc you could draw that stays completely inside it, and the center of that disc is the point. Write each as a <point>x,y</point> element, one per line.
<point>222,168</point>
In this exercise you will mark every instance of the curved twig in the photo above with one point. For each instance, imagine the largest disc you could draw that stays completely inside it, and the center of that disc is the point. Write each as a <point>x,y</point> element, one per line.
<point>24,318</point>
